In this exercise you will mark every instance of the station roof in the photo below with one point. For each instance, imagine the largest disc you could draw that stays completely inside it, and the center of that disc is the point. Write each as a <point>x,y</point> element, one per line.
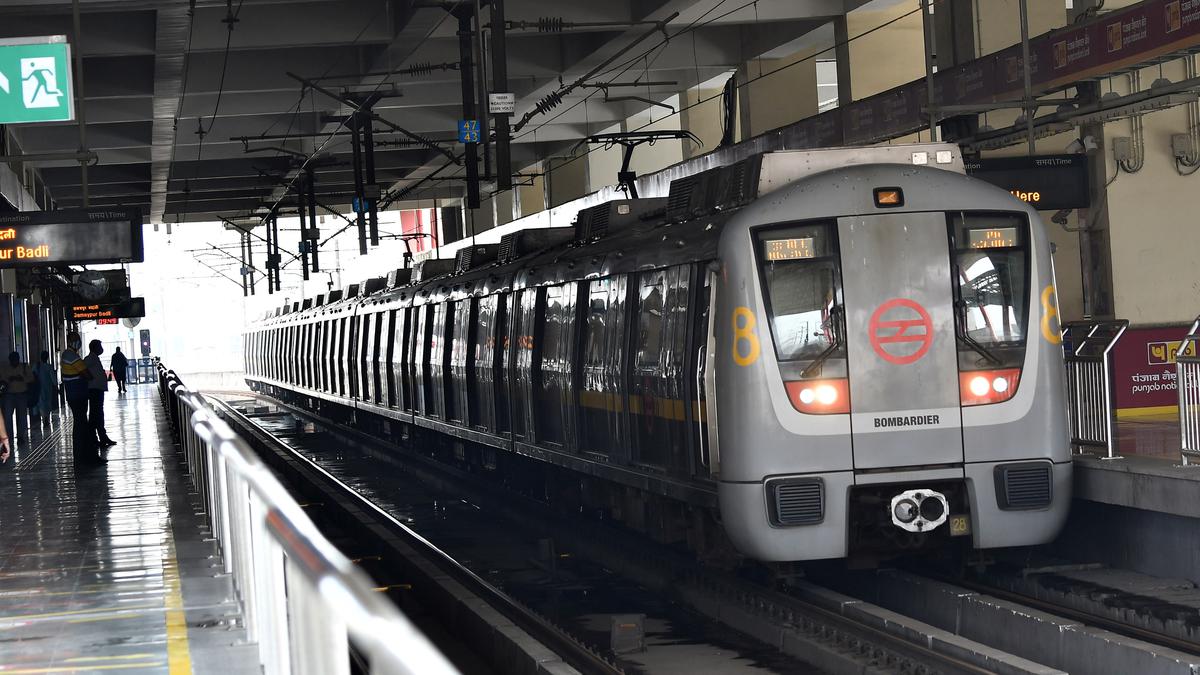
<point>170,86</point>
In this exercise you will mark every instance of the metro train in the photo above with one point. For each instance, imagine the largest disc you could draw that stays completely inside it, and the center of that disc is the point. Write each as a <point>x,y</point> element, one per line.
<point>807,354</point>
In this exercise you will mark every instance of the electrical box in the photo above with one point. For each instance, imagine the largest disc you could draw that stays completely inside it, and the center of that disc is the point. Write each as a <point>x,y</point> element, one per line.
<point>1181,145</point>
<point>1122,147</point>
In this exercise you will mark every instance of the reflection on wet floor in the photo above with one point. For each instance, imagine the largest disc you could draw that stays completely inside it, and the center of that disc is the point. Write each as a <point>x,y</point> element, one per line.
<point>106,569</point>
<point>1149,437</point>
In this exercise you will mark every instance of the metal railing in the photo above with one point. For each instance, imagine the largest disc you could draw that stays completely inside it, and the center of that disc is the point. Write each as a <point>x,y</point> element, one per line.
<point>304,603</point>
<point>1087,349</point>
<point>1187,371</point>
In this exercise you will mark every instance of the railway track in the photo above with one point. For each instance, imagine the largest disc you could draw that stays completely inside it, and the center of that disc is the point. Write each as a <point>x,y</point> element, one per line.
<point>358,520</point>
<point>819,632</point>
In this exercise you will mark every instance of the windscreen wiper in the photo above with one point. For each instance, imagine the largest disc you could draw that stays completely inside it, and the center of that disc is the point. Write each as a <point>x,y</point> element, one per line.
<point>960,332</point>
<point>835,316</point>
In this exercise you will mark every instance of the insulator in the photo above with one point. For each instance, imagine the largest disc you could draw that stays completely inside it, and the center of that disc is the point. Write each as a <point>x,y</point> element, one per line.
<point>549,102</point>
<point>550,24</point>
<point>422,68</point>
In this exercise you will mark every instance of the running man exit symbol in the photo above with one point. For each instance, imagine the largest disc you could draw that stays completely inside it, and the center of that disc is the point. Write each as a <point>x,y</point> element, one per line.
<point>39,82</point>
<point>35,80</point>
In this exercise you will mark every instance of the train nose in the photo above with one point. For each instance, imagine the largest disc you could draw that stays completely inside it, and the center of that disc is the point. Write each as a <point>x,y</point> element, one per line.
<point>919,510</point>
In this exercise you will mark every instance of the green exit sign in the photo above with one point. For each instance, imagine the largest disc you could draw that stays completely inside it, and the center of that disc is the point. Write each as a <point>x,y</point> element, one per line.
<point>35,80</point>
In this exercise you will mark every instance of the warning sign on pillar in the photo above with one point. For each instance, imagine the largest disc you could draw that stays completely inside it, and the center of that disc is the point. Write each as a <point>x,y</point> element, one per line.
<point>901,331</point>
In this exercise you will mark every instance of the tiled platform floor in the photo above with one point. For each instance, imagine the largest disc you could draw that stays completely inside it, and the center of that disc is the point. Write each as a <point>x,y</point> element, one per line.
<point>111,569</point>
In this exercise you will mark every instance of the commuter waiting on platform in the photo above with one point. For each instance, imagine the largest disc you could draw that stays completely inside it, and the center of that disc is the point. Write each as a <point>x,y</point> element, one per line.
<point>17,379</point>
<point>97,385</point>
<point>119,364</point>
<point>75,377</point>
<point>43,372</point>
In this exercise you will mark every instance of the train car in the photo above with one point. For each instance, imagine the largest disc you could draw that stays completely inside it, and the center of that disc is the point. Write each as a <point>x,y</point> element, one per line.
<point>816,354</point>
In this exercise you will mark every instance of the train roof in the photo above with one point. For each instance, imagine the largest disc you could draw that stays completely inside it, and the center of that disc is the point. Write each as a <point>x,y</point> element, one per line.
<point>716,190</point>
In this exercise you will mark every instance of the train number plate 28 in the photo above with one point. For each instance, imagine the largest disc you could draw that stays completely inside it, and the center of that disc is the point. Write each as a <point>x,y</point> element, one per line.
<point>960,525</point>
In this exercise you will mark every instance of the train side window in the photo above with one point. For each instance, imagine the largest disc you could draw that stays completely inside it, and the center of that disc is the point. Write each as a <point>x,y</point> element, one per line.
<point>650,319</point>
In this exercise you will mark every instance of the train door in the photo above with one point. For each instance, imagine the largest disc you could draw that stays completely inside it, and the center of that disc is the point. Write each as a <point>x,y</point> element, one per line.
<point>503,356</point>
<point>656,389</point>
<point>524,326</point>
<point>377,352</point>
<point>404,354</point>
<point>900,338</point>
<point>459,329</point>
<point>482,383</point>
<point>602,394</point>
<point>696,409</point>
<point>362,353</point>
<point>391,371</point>
<point>421,348</point>
<point>439,357</point>
<point>554,366</point>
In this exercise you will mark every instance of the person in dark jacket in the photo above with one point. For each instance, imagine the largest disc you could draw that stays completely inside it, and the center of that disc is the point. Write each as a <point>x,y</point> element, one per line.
<point>97,385</point>
<point>118,364</point>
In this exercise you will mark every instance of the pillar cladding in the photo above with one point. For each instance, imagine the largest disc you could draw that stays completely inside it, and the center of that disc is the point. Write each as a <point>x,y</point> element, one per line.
<point>566,179</point>
<point>704,119</point>
<point>891,55</point>
<point>778,92</point>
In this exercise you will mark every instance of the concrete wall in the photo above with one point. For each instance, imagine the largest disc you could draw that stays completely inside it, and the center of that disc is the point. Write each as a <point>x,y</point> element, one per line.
<point>888,57</point>
<point>704,120</point>
<point>568,180</point>
<point>998,22</point>
<point>787,95</point>
<point>1152,221</point>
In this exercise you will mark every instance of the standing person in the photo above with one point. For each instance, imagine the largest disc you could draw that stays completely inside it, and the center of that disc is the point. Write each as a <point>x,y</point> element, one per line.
<point>3,443</point>
<point>97,385</point>
<point>118,364</point>
<point>75,377</point>
<point>17,378</point>
<point>43,372</point>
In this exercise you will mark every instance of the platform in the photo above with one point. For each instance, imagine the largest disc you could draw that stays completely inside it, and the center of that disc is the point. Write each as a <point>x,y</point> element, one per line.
<point>111,569</point>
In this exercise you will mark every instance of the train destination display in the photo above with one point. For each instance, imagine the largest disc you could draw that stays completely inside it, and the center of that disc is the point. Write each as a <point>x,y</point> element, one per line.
<point>75,236</point>
<point>795,248</point>
<point>132,308</point>
<point>1045,182</point>
<point>992,237</point>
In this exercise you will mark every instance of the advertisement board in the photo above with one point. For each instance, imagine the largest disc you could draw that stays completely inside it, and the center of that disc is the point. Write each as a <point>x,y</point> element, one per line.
<point>1144,371</point>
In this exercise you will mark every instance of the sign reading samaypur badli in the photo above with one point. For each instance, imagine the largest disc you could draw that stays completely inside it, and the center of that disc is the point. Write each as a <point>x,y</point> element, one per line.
<point>75,236</point>
<point>35,80</point>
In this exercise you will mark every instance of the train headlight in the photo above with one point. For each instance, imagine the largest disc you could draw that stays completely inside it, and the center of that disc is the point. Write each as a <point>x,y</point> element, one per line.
<point>819,397</point>
<point>980,386</point>
<point>905,510</point>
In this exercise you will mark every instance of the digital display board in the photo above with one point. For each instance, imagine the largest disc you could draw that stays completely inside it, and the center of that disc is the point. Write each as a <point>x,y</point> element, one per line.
<point>1045,182</point>
<point>795,248</point>
<point>71,236</point>
<point>133,308</point>
<point>107,322</point>
<point>992,237</point>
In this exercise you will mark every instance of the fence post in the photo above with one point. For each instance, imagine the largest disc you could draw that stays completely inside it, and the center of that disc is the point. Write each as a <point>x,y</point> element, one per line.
<point>1087,351</point>
<point>1187,383</point>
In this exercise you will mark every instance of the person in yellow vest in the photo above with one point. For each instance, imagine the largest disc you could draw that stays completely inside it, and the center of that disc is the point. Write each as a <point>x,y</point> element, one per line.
<point>75,377</point>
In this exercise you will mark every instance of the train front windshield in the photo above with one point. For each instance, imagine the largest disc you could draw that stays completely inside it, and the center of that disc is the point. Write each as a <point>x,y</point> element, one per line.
<point>990,255</point>
<point>802,279</point>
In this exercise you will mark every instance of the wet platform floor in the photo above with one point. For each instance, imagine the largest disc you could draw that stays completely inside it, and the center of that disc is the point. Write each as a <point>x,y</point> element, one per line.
<point>111,569</point>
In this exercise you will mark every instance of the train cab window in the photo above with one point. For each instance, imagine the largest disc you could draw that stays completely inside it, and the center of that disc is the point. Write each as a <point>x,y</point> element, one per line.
<point>991,267</point>
<point>803,290</point>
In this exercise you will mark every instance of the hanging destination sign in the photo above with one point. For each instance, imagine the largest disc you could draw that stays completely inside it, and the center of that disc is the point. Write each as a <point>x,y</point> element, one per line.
<point>71,236</point>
